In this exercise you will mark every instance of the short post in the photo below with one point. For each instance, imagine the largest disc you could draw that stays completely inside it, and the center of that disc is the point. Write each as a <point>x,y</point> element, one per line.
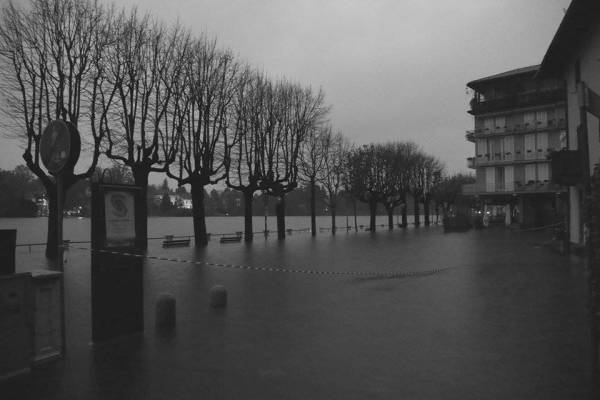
<point>165,311</point>
<point>8,239</point>
<point>218,296</point>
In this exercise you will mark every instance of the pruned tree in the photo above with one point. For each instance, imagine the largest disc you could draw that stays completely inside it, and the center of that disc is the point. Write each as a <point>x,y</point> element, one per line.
<point>290,113</point>
<point>51,67</point>
<point>312,164</point>
<point>364,180</point>
<point>143,69</point>
<point>333,174</point>
<point>244,168</point>
<point>207,138</point>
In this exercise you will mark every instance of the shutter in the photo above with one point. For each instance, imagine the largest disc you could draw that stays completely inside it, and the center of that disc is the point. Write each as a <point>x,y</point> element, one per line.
<point>541,118</point>
<point>543,173</point>
<point>542,144</point>
<point>530,146</point>
<point>490,179</point>
<point>509,147</point>
<point>529,173</point>
<point>509,178</point>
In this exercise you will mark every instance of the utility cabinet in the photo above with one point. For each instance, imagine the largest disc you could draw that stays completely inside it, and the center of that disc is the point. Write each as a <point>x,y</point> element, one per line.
<point>16,328</point>
<point>46,291</point>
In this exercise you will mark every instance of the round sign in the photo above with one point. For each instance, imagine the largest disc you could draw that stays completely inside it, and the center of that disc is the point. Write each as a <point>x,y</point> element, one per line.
<point>60,146</point>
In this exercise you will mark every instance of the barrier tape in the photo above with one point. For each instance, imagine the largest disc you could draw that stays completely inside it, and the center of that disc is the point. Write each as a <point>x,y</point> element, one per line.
<point>358,274</point>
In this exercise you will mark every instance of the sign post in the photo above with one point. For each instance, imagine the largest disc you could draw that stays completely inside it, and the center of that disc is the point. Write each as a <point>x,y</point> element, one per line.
<point>60,146</point>
<point>117,247</point>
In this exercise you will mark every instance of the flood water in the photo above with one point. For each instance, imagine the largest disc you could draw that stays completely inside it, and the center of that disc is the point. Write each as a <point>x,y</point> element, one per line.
<point>505,318</point>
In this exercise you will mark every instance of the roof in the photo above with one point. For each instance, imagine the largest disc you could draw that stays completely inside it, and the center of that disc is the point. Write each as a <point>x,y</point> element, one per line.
<point>532,69</point>
<point>580,18</point>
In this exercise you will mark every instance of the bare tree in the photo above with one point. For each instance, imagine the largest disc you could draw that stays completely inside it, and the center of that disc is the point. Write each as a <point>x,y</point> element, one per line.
<point>312,164</point>
<point>51,69</point>
<point>364,179</point>
<point>142,70</point>
<point>290,113</point>
<point>333,174</point>
<point>207,138</point>
<point>244,169</point>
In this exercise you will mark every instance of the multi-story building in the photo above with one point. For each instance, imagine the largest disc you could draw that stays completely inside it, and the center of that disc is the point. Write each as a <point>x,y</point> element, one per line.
<point>573,58</point>
<point>518,121</point>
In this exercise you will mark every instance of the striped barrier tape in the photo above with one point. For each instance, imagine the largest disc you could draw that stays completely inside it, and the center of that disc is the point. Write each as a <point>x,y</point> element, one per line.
<point>358,274</point>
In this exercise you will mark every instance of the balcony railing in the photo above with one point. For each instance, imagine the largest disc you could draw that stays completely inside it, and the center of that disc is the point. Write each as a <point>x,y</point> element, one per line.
<point>537,126</point>
<point>471,162</point>
<point>517,100</point>
<point>517,187</point>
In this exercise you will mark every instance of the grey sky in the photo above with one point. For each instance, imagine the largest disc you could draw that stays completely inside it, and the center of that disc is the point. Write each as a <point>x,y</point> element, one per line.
<point>392,70</point>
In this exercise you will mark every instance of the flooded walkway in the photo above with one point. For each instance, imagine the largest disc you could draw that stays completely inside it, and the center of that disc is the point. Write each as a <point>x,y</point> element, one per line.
<point>504,318</point>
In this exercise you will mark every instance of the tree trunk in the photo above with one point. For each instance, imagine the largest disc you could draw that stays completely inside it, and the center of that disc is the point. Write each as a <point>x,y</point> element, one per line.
<point>355,222</point>
<point>417,217</point>
<point>313,217</point>
<point>404,213</point>
<point>333,228</point>
<point>280,211</point>
<point>52,237</point>
<point>373,214</point>
<point>390,212</point>
<point>200,237</point>
<point>426,212</point>
<point>248,231</point>
<point>140,177</point>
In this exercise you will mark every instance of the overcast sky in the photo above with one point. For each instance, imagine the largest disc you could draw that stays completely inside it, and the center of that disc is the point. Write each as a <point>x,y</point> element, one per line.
<point>391,69</point>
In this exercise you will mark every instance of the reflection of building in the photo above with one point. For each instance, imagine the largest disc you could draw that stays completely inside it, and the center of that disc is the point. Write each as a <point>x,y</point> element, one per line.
<point>518,121</point>
<point>573,58</point>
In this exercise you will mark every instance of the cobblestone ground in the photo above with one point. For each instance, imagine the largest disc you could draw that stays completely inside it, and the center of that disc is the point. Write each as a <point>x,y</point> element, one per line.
<point>505,318</point>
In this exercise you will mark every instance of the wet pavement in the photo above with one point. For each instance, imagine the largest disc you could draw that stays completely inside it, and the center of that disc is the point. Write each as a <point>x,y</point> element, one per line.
<point>505,319</point>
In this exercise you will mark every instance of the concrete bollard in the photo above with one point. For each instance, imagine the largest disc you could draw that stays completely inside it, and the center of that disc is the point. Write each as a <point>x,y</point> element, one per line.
<point>217,296</point>
<point>165,311</point>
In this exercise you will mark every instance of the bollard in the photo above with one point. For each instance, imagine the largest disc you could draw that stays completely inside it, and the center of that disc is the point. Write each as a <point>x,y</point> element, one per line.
<point>217,296</point>
<point>165,311</point>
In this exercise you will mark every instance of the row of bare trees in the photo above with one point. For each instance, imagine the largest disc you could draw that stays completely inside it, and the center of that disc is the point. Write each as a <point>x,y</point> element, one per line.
<point>388,173</point>
<point>154,98</point>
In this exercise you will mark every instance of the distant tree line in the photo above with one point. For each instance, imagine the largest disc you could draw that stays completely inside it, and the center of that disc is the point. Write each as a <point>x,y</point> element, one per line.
<point>157,99</point>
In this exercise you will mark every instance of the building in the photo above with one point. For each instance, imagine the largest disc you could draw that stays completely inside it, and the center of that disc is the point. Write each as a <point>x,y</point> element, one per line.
<point>518,122</point>
<point>573,57</point>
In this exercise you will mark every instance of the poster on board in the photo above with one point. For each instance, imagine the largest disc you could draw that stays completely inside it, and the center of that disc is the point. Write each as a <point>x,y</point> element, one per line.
<point>120,218</point>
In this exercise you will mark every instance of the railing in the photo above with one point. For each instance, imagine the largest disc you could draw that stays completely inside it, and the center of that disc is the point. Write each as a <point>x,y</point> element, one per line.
<point>537,126</point>
<point>517,187</point>
<point>517,100</point>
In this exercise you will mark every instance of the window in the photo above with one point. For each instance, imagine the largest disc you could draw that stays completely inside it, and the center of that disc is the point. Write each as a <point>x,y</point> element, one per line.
<point>509,178</point>
<point>529,174</point>
<point>542,144</point>
<point>541,118</point>
<point>530,153</point>
<point>509,147</point>
<point>529,119</point>
<point>543,173</point>
<point>490,179</point>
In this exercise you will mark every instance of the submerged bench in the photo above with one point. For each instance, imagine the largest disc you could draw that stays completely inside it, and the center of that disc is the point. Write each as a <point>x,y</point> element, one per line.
<point>171,242</point>
<point>231,239</point>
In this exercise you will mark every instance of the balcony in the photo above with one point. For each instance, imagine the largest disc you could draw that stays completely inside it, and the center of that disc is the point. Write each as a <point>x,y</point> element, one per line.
<point>537,126</point>
<point>517,188</point>
<point>471,162</point>
<point>517,100</point>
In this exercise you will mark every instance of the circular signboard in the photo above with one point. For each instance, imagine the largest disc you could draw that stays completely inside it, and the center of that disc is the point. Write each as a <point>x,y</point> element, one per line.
<point>60,146</point>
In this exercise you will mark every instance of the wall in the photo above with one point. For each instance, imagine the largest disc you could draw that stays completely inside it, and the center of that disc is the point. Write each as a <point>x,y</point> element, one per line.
<point>587,53</point>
